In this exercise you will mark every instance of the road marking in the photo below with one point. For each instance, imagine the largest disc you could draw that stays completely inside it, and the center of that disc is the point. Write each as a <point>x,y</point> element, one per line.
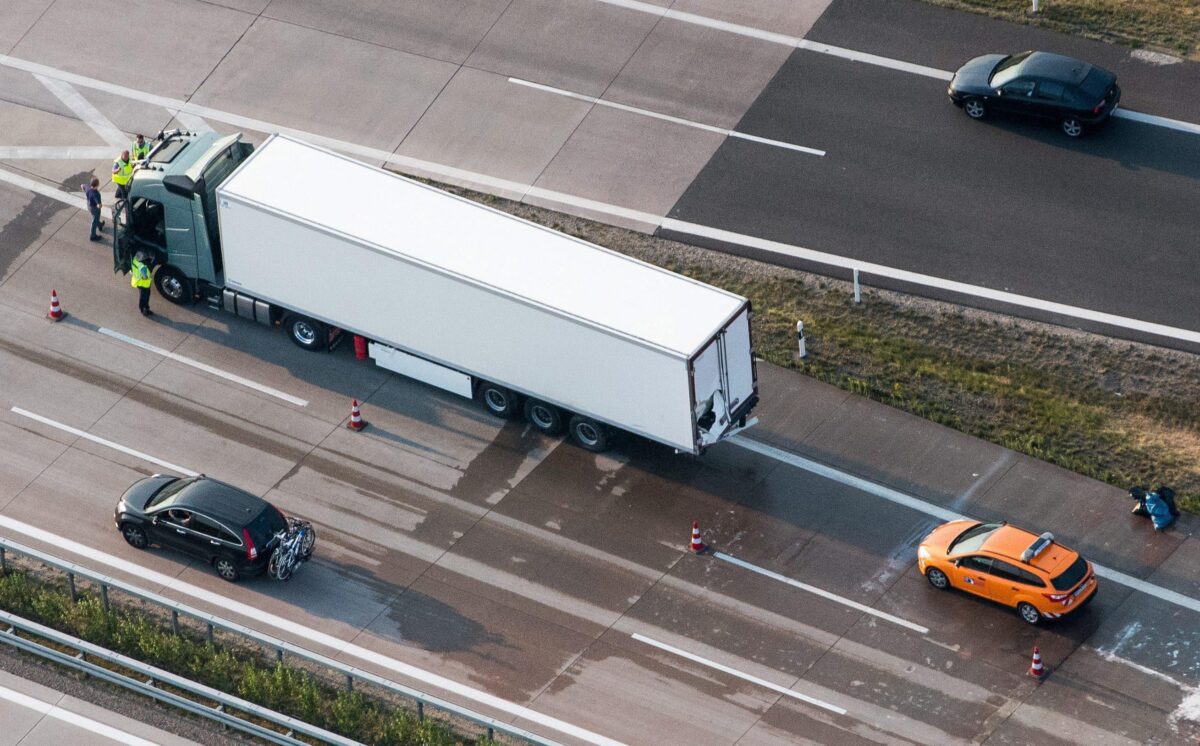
<point>106,443</point>
<point>56,152</point>
<point>664,117</point>
<point>919,505</point>
<point>299,630</point>
<point>822,593</point>
<point>498,185</point>
<point>734,672</point>
<point>205,367</point>
<point>87,113</point>
<point>79,721</point>
<point>1174,124</point>
<point>191,122</point>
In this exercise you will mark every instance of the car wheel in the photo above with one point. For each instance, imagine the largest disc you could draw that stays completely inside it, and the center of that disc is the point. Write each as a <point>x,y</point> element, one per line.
<point>135,536</point>
<point>226,569</point>
<point>306,333</point>
<point>499,401</point>
<point>937,578</point>
<point>974,108</point>
<point>1029,613</point>
<point>545,417</point>
<point>1072,127</point>
<point>174,285</point>
<point>589,434</point>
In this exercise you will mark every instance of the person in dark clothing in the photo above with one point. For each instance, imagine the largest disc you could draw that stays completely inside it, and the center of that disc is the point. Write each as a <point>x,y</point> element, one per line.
<point>92,192</point>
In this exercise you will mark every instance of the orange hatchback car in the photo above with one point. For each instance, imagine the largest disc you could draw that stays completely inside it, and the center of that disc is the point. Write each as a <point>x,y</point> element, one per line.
<point>1038,577</point>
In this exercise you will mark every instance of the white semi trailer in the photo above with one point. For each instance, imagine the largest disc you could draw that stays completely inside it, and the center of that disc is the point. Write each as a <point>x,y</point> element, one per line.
<point>458,295</point>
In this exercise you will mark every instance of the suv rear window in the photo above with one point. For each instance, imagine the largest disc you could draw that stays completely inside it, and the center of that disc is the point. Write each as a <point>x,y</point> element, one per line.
<point>266,524</point>
<point>1068,580</point>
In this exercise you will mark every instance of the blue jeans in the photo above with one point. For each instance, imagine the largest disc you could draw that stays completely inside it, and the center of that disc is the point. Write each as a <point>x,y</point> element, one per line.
<point>95,220</point>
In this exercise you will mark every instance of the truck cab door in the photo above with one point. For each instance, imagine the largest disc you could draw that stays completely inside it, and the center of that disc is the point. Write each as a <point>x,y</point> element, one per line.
<point>123,243</point>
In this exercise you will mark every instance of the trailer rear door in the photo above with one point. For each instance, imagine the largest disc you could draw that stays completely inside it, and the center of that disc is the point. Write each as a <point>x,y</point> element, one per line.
<point>723,379</point>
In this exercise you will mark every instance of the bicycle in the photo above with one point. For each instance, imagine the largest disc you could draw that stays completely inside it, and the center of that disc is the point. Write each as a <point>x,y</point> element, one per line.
<point>294,547</point>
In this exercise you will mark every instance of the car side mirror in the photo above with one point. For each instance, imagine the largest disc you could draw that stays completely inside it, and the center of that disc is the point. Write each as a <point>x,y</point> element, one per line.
<point>999,92</point>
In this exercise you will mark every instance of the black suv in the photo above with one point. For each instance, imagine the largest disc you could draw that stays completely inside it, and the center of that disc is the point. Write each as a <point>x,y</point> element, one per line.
<point>228,528</point>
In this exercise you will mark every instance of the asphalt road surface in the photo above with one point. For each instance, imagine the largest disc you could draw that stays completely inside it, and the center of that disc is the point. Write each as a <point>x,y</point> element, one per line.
<point>480,561</point>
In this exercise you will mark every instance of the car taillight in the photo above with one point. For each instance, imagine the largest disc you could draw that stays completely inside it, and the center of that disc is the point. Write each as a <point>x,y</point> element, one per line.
<point>251,550</point>
<point>1057,597</point>
<point>1100,106</point>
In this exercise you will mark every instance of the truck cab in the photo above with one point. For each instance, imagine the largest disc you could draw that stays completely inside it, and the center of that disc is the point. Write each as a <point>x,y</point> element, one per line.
<point>170,212</point>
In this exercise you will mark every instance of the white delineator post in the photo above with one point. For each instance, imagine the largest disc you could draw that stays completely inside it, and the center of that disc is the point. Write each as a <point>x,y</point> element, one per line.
<point>800,338</point>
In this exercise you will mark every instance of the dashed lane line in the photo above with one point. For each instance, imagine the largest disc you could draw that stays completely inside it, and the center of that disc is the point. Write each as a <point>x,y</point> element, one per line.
<point>921,506</point>
<point>664,117</point>
<point>822,593</point>
<point>73,718</point>
<point>739,674</point>
<point>205,367</point>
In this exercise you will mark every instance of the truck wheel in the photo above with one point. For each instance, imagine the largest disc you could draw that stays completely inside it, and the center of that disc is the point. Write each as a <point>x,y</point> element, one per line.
<point>589,434</point>
<point>544,417</point>
<point>308,334</point>
<point>174,285</point>
<point>499,401</point>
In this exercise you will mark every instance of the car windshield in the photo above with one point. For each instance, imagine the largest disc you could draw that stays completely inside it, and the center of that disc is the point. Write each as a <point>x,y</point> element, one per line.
<point>167,494</point>
<point>1009,68</point>
<point>972,539</point>
<point>1069,579</point>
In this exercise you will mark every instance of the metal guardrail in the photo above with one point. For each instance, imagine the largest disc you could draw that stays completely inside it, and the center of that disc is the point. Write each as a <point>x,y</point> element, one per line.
<point>281,647</point>
<point>158,676</point>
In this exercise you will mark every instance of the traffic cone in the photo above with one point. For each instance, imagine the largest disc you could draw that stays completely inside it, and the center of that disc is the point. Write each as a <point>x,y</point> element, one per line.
<point>56,312</point>
<point>356,421</point>
<point>1036,669</point>
<point>697,545</point>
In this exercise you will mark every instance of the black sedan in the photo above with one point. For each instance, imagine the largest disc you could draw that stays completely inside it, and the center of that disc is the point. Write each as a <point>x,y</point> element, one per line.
<point>1071,92</point>
<point>222,525</point>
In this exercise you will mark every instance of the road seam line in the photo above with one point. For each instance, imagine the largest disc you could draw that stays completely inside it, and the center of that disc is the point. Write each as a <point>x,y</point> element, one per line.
<point>822,593</point>
<point>739,674</point>
<point>204,367</point>
<point>81,721</point>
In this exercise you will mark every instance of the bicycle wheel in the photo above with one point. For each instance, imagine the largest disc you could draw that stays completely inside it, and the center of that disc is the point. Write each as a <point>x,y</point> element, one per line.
<point>286,566</point>
<point>273,565</point>
<point>307,542</point>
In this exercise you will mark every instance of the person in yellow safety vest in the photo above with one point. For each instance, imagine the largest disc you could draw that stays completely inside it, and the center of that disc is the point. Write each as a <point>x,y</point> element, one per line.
<point>121,174</point>
<point>140,148</point>
<point>139,277</point>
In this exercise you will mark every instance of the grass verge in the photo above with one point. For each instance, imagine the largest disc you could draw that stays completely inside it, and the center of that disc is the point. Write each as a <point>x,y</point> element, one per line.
<point>251,675</point>
<point>1170,25</point>
<point>1119,412</point>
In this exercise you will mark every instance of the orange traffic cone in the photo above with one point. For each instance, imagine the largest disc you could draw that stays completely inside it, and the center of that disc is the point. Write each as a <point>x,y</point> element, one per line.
<point>697,545</point>
<point>356,421</point>
<point>1036,669</point>
<point>56,312</point>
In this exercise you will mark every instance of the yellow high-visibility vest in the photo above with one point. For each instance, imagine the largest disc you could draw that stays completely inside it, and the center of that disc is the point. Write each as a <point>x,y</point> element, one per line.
<point>122,172</point>
<point>139,276</point>
<point>139,152</point>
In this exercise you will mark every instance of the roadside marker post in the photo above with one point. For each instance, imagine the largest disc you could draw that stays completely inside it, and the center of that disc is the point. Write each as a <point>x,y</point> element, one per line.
<point>800,339</point>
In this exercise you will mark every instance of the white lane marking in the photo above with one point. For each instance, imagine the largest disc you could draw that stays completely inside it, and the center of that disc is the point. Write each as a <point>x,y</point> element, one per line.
<point>485,182</point>
<point>874,59</point>
<point>205,367</point>
<point>72,718</point>
<point>106,443</point>
<point>1023,301</point>
<point>191,122</point>
<point>919,505</point>
<point>1174,124</point>
<point>87,113</point>
<point>664,117</point>
<point>307,633</point>
<point>56,152</point>
<point>822,593</point>
<point>734,672</point>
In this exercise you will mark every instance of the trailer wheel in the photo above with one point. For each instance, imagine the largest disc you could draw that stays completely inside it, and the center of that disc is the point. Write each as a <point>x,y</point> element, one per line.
<point>174,285</point>
<point>544,417</point>
<point>308,334</point>
<point>502,402</point>
<point>589,434</point>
